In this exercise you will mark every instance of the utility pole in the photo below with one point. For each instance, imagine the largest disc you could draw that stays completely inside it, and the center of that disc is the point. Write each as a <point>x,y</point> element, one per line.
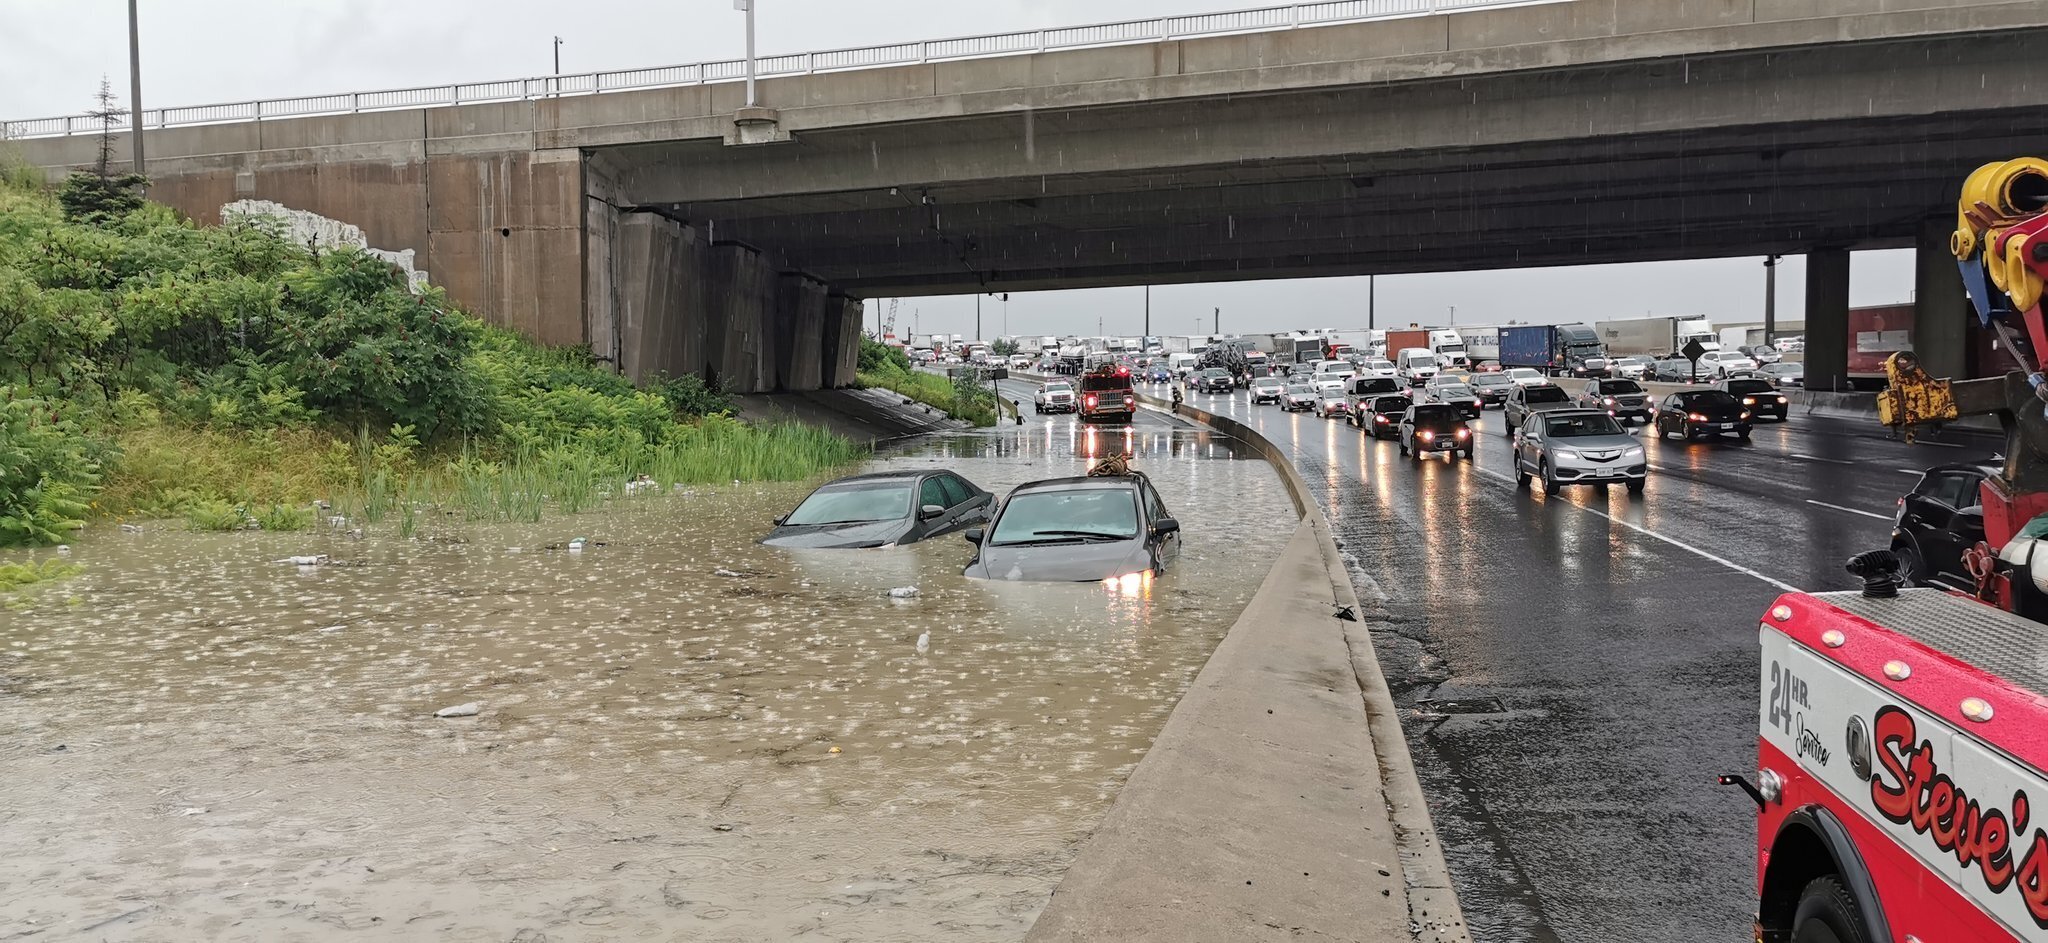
<point>1454,316</point>
<point>748,7</point>
<point>557,89</point>
<point>1371,297</point>
<point>1217,327</point>
<point>977,318</point>
<point>1771,298</point>
<point>1148,312</point>
<point>1006,312</point>
<point>135,83</point>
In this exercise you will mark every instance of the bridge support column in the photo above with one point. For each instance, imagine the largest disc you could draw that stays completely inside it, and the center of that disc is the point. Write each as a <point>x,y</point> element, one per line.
<point>652,294</point>
<point>802,308</point>
<point>1827,319</point>
<point>842,340</point>
<point>1942,315</point>
<point>740,303</point>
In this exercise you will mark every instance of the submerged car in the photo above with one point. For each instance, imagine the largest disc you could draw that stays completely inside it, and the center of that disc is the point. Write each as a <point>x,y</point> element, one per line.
<point>882,509</point>
<point>1094,529</point>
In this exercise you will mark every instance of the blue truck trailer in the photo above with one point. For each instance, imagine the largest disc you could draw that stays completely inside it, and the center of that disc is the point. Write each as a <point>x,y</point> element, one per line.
<point>1559,350</point>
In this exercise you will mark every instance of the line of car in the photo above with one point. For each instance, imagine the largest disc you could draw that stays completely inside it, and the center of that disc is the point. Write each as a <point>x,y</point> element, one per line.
<point>1099,528</point>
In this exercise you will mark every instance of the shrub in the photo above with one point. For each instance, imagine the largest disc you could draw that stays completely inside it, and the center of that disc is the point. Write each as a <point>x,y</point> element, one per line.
<point>47,470</point>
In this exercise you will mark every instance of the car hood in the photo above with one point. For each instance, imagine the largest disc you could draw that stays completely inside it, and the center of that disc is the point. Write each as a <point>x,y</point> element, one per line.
<point>1061,563</point>
<point>1598,443</point>
<point>872,534</point>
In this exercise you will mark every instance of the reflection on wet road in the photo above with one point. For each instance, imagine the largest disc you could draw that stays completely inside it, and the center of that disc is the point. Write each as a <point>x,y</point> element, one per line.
<point>1575,670</point>
<point>683,734</point>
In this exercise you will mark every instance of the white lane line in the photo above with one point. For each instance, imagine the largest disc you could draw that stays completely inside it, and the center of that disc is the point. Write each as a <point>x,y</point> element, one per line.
<point>1816,458</point>
<point>1881,517</point>
<point>1943,445</point>
<point>1911,471</point>
<point>1680,544</point>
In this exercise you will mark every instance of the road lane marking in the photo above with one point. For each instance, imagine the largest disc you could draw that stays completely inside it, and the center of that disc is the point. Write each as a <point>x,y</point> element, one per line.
<point>1881,517</point>
<point>1943,445</point>
<point>1680,544</point>
<point>1816,458</point>
<point>1911,471</point>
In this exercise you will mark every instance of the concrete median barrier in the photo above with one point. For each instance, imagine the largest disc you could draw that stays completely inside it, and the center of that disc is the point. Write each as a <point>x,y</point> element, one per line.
<point>1279,802</point>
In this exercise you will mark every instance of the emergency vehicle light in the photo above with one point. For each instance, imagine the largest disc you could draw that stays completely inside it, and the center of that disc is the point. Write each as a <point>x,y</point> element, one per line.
<point>1976,708</point>
<point>1897,670</point>
<point>1833,638</point>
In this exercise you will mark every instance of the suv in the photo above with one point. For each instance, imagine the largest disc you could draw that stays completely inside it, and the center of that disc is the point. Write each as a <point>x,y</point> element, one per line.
<point>1108,396</point>
<point>1054,397</point>
<point>1492,388</point>
<point>1622,399</point>
<point>1363,390</point>
<point>1691,413</point>
<point>1938,521</point>
<point>1526,401</point>
<point>1720,363</point>
<point>1267,390</point>
<point>1213,380</point>
<point>1579,447</point>
<point>1760,394</point>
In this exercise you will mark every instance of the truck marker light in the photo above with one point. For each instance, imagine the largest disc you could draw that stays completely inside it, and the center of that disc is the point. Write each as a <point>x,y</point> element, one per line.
<point>1897,670</point>
<point>1781,612</point>
<point>1770,784</point>
<point>1976,708</point>
<point>1833,638</point>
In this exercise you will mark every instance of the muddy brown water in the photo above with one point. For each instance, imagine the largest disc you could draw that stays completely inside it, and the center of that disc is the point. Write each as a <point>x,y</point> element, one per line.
<point>199,743</point>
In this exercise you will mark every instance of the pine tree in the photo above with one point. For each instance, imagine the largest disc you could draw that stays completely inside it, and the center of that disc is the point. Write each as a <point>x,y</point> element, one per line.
<point>100,195</point>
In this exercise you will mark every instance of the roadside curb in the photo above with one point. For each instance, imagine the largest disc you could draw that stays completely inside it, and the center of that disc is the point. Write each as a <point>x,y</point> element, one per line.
<point>1434,912</point>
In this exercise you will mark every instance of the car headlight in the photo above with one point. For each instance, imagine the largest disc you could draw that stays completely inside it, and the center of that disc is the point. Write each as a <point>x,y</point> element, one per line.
<point>1635,452</point>
<point>1749,401</point>
<point>1562,452</point>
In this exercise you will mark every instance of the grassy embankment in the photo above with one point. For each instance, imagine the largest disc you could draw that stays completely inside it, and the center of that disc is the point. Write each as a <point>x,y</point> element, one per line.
<point>890,369</point>
<point>151,368</point>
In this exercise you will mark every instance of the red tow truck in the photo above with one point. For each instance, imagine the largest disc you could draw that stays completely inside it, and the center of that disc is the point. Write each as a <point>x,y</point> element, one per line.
<point>1900,780</point>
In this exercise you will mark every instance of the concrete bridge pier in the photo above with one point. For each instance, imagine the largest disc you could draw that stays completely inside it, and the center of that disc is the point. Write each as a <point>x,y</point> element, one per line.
<point>1827,319</point>
<point>1943,320</point>
<point>664,301</point>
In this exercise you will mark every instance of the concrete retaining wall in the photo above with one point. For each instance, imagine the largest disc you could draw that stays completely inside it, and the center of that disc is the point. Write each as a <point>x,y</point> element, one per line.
<point>1279,802</point>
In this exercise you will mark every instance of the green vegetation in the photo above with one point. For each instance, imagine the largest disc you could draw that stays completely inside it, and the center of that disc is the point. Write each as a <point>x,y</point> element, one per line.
<point>889,368</point>
<point>1004,347</point>
<point>224,375</point>
<point>15,576</point>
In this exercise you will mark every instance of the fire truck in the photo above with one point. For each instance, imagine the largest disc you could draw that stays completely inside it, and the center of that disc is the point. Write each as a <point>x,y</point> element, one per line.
<point>1900,781</point>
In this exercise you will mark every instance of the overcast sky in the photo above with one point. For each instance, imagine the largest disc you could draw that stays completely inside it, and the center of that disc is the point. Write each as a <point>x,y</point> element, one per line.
<point>54,52</point>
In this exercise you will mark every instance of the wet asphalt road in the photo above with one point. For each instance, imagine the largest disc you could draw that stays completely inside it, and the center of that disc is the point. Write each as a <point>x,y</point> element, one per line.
<point>1575,670</point>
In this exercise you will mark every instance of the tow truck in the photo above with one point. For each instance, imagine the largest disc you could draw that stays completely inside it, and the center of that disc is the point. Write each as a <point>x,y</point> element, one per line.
<point>1900,786</point>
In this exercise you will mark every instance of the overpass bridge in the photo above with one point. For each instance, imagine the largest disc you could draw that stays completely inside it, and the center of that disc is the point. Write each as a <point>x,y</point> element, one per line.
<point>676,229</point>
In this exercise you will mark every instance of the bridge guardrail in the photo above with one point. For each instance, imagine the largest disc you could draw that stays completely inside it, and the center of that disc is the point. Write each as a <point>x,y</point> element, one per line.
<point>1019,42</point>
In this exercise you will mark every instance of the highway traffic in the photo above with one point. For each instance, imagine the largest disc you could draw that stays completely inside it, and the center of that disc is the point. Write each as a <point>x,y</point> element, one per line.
<point>1576,667</point>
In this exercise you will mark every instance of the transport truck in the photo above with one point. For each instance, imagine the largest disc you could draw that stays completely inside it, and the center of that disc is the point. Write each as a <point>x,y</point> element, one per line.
<point>1449,349</point>
<point>1482,344</point>
<point>1559,350</point>
<point>1305,348</point>
<point>1406,339</point>
<point>1655,337</point>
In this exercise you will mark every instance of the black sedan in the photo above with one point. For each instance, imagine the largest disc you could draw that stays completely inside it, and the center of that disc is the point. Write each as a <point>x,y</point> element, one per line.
<point>1759,394</point>
<point>882,509</point>
<point>1380,416</point>
<point>1939,521</point>
<point>1692,413</point>
<point>1112,529</point>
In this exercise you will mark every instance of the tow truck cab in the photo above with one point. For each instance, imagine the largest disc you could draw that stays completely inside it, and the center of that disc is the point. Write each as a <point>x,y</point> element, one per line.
<point>1899,774</point>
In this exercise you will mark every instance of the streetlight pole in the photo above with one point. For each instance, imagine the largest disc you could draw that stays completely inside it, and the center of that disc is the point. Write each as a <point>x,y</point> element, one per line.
<point>977,318</point>
<point>558,66</point>
<point>135,83</point>
<point>748,7</point>
<point>1770,298</point>
<point>1148,311</point>
<point>1454,316</point>
<point>1371,297</point>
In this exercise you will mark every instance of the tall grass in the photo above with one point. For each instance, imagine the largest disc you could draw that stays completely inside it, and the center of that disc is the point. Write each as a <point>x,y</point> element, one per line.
<point>931,390</point>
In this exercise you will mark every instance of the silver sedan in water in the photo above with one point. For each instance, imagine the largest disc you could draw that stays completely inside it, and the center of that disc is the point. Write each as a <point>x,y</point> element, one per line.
<point>1578,447</point>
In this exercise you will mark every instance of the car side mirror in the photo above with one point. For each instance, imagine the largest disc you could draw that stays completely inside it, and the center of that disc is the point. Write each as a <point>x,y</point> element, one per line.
<point>972,535</point>
<point>1164,526</point>
<point>930,511</point>
<point>779,520</point>
<point>1971,519</point>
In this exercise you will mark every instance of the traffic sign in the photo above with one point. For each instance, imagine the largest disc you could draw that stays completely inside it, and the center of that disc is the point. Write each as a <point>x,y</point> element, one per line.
<point>1694,350</point>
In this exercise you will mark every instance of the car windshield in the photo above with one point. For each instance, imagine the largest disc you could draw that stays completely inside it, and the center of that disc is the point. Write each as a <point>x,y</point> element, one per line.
<point>1097,384</point>
<point>1785,369</point>
<point>1524,373</point>
<point>1491,379</point>
<point>1740,387</point>
<point>1380,364</point>
<point>854,502</point>
<point>1545,394</point>
<point>1051,516</point>
<point>1620,386</point>
<point>1568,427</point>
<point>1708,399</point>
<point>1214,372</point>
<point>1388,404</point>
<point>1300,386</point>
<point>1058,388</point>
<point>1437,417</point>
<point>1454,390</point>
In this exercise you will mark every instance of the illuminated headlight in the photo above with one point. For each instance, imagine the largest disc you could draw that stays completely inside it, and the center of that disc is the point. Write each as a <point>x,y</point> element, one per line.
<point>1565,453</point>
<point>1609,401</point>
<point>1745,414</point>
<point>1635,453</point>
<point>1426,435</point>
<point>1749,401</point>
<point>1464,433</point>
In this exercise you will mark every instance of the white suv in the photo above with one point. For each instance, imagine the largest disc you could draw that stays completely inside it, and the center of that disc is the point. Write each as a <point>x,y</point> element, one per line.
<point>1720,363</point>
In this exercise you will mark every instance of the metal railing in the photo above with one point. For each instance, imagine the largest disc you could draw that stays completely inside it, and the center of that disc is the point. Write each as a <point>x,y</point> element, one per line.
<point>1155,29</point>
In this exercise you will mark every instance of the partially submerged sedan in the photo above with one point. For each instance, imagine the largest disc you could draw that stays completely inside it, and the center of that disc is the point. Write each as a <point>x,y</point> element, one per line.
<point>882,509</point>
<point>1111,528</point>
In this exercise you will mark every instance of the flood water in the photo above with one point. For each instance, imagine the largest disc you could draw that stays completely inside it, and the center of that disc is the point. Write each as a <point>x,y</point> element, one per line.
<point>200,743</point>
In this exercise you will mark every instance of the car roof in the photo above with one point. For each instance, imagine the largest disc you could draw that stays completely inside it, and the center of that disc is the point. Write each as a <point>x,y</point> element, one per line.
<point>1569,413</point>
<point>1081,482</point>
<point>885,475</point>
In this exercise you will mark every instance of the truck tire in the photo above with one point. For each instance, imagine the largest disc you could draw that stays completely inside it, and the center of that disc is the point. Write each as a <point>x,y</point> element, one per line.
<point>1827,914</point>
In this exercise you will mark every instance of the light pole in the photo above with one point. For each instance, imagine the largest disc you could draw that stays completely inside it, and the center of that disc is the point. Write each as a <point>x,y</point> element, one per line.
<point>135,83</point>
<point>1770,298</point>
<point>557,89</point>
<point>747,6</point>
<point>1148,312</point>
<point>1454,316</point>
<point>1372,286</point>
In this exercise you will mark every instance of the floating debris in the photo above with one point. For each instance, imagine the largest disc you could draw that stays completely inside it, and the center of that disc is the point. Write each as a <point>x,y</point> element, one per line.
<point>905,592</point>
<point>460,710</point>
<point>318,559</point>
<point>924,642</point>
